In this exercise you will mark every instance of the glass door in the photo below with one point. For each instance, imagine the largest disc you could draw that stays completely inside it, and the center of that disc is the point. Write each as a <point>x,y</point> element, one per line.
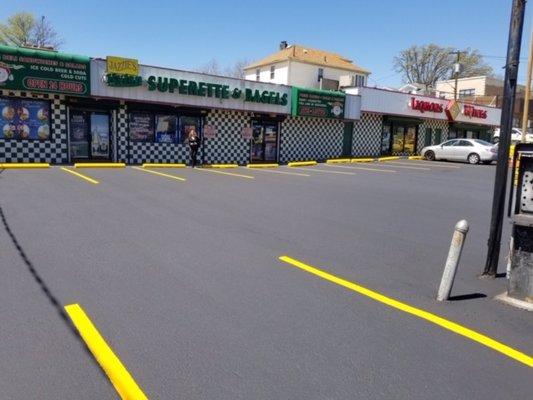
<point>79,135</point>
<point>264,146</point>
<point>410,140</point>
<point>386,139</point>
<point>99,135</point>
<point>258,140</point>
<point>398,140</point>
<point>271,142</point>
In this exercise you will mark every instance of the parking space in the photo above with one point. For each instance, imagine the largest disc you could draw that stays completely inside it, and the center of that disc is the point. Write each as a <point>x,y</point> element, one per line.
<point>179,270</point>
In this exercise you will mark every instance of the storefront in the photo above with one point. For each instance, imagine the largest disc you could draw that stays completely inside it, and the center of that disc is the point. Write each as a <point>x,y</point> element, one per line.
<point>34,88</point>
<point>238,121</point>
<point>472,121</point>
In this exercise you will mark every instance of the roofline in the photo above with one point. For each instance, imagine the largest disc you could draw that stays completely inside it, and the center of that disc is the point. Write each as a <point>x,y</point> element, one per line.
<point>354,69</point>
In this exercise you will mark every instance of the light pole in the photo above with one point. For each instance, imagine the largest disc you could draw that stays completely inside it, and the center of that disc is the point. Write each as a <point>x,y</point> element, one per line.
<point>456,71</point>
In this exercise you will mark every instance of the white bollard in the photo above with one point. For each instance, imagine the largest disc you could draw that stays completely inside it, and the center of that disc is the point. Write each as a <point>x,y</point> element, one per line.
<point>454,255</point>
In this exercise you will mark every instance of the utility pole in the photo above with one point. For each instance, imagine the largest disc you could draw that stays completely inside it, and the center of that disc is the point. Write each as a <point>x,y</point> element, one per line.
<point>456,71</point>
<point>525,116</point>
<point>506,124</point>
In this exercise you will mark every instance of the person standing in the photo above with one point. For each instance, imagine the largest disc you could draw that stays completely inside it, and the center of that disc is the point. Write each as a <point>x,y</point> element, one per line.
<point>194,143</point>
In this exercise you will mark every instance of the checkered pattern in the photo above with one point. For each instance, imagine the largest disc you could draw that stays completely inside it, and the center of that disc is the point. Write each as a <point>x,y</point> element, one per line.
<point>54,150</point>
<point>366,141</point>
<point>310,139</point>
<point>433,124</point>
<point>228,146</point>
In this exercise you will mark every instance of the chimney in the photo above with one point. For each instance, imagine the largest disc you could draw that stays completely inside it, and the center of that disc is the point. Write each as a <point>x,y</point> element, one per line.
<point>283,45</point>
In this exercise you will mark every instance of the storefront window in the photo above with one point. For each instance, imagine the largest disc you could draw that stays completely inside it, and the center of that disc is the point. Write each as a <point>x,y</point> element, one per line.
<point>186,125</point>
<point>141,127</point>
<point>25,119</point>
<point>166,128</point>
<point>79,129</point>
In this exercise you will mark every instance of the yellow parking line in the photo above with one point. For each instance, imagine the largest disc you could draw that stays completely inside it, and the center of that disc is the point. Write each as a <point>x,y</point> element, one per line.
<point>117,373</point>
<point>363,168</point>
<point>327,172</point>
<point>283,172</point>
<point>91,180</point>
<point>224,173</point>
<point>178,178</point>
<point>417,312</point>
<point>432,163</point>
<point>396,165</point>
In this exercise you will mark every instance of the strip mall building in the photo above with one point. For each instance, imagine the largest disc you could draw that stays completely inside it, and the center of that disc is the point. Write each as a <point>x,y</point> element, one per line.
<point>61,108</point>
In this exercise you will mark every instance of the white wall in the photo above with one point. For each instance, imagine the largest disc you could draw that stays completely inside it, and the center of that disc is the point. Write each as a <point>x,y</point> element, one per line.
<point>281,74</point>
<point>306,75</point>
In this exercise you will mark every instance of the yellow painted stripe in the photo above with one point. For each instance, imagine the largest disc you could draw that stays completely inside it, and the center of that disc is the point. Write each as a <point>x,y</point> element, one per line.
<point>362,168</point>
<point>220,166</point>
<point>284,172</point>
<point>169,165</point>
<point>327,172</point>
<point>435,319</point>
<point>84,177</point>
<point>301,163</point>
<point>224,173</point>
<point>178,178</point>
<point>117,373</point>
<point>415,157</point>
<point>99,165</point>
<point>262,166</point>
<point>338,161</point>
<point>24,165</point>
<point>358,160</point>
<point>388,158</point>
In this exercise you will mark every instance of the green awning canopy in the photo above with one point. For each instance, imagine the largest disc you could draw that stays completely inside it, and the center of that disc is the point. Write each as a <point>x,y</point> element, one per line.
<point>44,54</point>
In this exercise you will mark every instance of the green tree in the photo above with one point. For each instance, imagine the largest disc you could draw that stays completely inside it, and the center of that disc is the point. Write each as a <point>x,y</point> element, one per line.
<point>23,29</point>
<point>430,63</point>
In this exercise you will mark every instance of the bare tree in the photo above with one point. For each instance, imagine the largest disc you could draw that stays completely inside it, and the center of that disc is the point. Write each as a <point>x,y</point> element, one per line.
<point>22,29</point>
<point>211,67</point>
<point>429,63</point>
<point>237,69</point>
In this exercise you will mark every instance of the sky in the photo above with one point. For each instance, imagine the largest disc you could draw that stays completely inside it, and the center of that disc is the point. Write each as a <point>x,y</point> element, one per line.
<point>188,34</point>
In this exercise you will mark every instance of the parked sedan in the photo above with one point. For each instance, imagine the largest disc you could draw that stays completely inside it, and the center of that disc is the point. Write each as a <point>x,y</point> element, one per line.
<point>473,151</point>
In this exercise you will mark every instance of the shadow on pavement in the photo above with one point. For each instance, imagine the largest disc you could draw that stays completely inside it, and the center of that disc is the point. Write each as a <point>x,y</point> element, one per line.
<point>470,296</point>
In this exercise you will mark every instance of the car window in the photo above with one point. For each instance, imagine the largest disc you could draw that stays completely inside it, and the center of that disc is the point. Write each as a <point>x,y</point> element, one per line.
<point>482,142</point>
<point>463,143</point>
<point>449,143</point>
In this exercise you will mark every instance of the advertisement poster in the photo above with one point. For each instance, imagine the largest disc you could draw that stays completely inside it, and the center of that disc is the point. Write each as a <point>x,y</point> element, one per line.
<point>271,137</point>
<point>79,146</point>
<point>99,135</point>
<point>210,132</point>
<point>141,127</point>
<point>246,132</point>
<point>320,104</point>
<point>24,119</point>
<point>41,72</point>
<point>166,128</point>
<point>187,125</point>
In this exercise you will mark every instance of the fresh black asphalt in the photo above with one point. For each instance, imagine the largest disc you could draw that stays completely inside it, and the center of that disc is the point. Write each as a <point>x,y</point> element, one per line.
<point>184,282</point>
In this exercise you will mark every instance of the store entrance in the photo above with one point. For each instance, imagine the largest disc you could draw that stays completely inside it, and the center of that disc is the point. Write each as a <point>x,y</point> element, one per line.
<point>399,138</point>
<point>264,146</point>
<point>89,135</point>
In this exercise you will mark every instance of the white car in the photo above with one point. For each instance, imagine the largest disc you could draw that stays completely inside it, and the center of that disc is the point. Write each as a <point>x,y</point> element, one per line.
<point>516,136</point>
<point>473,151</point>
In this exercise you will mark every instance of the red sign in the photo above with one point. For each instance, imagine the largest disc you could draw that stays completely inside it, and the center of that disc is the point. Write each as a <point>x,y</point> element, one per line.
<point>210,132</point>
<point>424,106</point>
<point>473,112</point>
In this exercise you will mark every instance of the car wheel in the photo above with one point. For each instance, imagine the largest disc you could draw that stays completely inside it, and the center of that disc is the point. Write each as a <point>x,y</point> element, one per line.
<point>473,158</point>
<point>495,140</point>
<point>430,155</point>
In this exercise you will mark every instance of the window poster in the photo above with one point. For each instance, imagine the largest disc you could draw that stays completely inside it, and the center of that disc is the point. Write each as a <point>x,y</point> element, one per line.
<point>24,119</point>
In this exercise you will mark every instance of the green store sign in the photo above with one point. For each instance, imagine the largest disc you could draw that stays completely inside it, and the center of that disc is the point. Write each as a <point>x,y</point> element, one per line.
<point>317,103</point>
<point>44,71</point>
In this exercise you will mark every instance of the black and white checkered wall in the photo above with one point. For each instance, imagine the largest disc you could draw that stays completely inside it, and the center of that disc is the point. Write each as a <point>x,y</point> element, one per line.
<point>228,146</point>
<point>310,139</point>
<point>366,140</point>
<point>54,150</point>
<point>432,124</point>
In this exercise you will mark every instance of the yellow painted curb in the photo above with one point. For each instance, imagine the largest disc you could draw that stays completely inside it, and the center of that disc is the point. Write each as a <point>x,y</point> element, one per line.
<point>415,157</point>
<point>356,160</point>
<point>99,165</point>
<point>262,166</point>
<point>119,376</point>
<point>24,165</point>
<point>388,158</point>
<point>301,163</point>
<point>158,165</point>
<point>220,166</point>
<point>338,161</point>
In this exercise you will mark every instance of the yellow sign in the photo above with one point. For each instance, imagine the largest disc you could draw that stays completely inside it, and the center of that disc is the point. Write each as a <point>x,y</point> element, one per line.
<point>122,66</point>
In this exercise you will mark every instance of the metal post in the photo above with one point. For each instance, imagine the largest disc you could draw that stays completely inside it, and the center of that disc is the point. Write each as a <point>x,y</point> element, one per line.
<point>525,115</point>
<point>500,182</point>
<point>452,262</point>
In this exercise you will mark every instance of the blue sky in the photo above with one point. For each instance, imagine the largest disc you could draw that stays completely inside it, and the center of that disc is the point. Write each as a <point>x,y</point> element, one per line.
<point>187,34</point>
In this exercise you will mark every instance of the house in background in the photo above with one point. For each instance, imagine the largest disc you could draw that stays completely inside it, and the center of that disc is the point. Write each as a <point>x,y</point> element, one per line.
<point>302,66</point>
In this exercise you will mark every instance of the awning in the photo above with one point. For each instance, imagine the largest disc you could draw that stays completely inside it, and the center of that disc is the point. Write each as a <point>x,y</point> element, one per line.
<point>402,120</point>
<point>48,55</point>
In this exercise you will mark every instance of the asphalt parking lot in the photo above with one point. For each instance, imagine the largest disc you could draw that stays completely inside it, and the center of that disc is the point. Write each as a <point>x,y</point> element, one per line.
<point>179,269</point>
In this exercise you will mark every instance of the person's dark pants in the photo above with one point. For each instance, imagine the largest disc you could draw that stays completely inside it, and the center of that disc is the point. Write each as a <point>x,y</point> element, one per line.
<point>194,151</point>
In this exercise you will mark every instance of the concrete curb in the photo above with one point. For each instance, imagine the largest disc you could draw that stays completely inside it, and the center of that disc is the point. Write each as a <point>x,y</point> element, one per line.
<point>99,165</point>
<point>262,166</point>
<point>415,157</point>
<point>24,165</point>
<point>362,160</point>
<point>380,159</point>
<point>301,163</point>
<point>159,165</point>
<point>338,161</point>
<point>220,166</point>
<point>524,305</point>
